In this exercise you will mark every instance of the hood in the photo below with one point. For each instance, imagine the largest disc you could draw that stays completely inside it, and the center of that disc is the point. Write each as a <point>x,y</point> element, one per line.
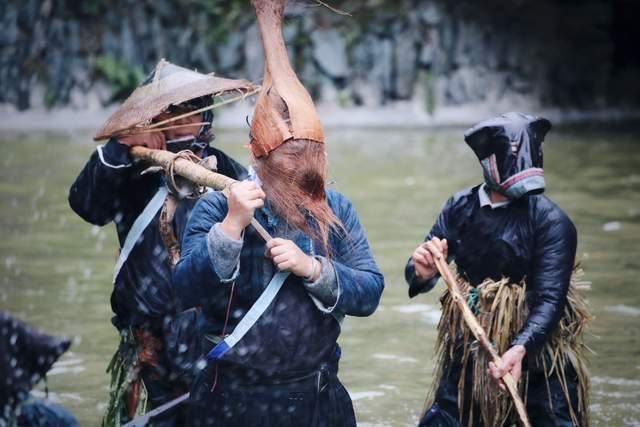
<point>509,148</point>
<point>26,355</point>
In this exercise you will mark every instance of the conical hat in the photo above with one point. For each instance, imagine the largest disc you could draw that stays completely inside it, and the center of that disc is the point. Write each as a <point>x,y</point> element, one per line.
<point>168,85</point>
<point>284,109</point>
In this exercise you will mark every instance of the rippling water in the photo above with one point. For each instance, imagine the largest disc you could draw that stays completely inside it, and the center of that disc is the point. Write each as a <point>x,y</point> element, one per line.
<point>56,269</point>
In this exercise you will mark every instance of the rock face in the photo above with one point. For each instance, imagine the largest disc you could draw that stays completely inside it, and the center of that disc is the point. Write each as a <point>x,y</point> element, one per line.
<point>436,53</point>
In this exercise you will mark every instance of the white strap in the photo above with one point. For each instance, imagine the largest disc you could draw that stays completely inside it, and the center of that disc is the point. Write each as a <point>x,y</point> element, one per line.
<point>138,227</point>
<point>257,309</point>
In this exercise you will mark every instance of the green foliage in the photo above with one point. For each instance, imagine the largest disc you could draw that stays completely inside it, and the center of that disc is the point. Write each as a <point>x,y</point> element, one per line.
<point>224,16</point>
<point>122,78</point>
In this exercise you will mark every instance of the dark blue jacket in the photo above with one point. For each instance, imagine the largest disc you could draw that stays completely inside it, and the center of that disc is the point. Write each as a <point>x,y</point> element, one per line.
<point>110,188</point>
<point>531,239</point>
<point>295,334</point>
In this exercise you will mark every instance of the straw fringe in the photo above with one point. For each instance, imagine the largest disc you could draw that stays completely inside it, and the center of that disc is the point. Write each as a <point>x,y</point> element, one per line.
<point>502,312</point>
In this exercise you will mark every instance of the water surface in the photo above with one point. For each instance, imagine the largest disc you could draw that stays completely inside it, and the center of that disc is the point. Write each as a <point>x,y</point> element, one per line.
<point>56,269</point>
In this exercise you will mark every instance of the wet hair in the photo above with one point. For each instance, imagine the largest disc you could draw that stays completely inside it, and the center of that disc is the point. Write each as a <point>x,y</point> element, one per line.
<point>293,178</point>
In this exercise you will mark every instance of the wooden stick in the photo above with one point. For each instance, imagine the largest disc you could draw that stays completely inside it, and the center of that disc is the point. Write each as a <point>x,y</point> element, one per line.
<point>481,336</point>
<point>193,172</point>
<point>148,130</point>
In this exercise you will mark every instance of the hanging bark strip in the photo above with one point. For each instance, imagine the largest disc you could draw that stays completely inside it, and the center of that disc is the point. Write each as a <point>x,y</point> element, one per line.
<point>480,335</point>
<point>193,172</point>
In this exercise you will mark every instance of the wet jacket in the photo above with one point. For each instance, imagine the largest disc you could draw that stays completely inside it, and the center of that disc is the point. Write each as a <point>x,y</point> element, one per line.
<point>110,188</point>
<point>531,238</point>
<point>26,355</point>
<point>296,333</point>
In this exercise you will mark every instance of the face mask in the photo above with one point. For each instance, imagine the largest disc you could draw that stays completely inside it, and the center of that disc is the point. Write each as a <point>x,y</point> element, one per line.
<point>205,135</point>
<point>186,143</point>
<point>509,148</point>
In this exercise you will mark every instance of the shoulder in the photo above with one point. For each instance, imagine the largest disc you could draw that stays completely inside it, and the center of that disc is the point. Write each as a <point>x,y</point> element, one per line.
<point>213,198</point>
<point>338,202</point>
<point>213,151</point>
<point>462,198</point>
<point>209,209</point>
<point>227,165</point>
<point>212,203</point>
<point>547,215</point>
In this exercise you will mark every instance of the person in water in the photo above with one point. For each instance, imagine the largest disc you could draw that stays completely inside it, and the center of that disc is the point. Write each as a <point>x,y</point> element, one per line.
<point>273,309</point>
<point>26,355</point>
<point>156,337</point>
<point>514,251</point>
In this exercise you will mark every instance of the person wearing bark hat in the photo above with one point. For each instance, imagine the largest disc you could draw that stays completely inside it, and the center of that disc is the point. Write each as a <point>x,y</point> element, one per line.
<point>514,251</point>
<point>273,309</point>
<point>150,212</point>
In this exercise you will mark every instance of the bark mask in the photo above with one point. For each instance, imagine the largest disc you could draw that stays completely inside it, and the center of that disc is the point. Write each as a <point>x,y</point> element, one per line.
<point>284,109</point>
<point>509,148</point>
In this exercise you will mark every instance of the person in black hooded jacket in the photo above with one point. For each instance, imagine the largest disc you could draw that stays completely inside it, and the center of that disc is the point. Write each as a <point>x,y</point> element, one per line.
<point>514,251</point>
<point>26,355</point>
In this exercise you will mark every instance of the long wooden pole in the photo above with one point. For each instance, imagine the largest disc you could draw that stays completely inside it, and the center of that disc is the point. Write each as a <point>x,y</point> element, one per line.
<point>478,332</point>
<point>193,172</point>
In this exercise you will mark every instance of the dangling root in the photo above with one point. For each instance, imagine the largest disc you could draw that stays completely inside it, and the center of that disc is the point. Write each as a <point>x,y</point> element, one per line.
<point>167,232</point>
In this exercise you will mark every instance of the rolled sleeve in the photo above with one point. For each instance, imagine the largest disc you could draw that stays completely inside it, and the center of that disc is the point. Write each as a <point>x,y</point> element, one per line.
<point>224,253</point>
<point>325,290</point>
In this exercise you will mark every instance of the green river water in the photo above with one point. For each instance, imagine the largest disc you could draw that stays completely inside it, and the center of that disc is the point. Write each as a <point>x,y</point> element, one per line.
<point>56,269</point>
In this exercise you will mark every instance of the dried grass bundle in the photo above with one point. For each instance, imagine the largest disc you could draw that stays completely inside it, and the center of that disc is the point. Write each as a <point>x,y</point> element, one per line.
<point>502,311</point>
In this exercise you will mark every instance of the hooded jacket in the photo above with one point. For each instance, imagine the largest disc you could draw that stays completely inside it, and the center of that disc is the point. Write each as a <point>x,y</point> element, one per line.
<point>530,238</point>
<point>110,188</point>
<point>25,357</point>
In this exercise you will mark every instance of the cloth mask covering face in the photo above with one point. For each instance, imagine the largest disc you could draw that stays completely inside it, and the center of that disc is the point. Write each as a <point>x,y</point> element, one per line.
<point>509,148</point>
<point>205,135</point>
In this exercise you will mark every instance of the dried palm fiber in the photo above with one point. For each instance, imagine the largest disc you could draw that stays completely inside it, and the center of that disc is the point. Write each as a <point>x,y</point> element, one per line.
<point>168,85</point>
<point>502,310</point>
<point>284,109</point>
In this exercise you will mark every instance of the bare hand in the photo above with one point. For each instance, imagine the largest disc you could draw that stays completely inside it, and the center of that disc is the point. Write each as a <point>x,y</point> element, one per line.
<point>153,140</point>
<point>287,256</point>
<point>511,362</point>
<point>243,199</point>
<point>423,257</point>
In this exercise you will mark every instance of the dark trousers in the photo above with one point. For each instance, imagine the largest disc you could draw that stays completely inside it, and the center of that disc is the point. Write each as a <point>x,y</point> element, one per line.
<point>314,399</point>
<point>543,410</point>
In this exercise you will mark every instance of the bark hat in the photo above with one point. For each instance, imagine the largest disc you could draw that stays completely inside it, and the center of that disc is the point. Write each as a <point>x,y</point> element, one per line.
<point>284,109</point>
<point>168,84</point>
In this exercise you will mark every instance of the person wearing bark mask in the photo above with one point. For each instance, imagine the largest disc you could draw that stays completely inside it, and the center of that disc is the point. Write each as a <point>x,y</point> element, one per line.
<point>273,309</point>
<point>514,251</point>
<point>150,212</point>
